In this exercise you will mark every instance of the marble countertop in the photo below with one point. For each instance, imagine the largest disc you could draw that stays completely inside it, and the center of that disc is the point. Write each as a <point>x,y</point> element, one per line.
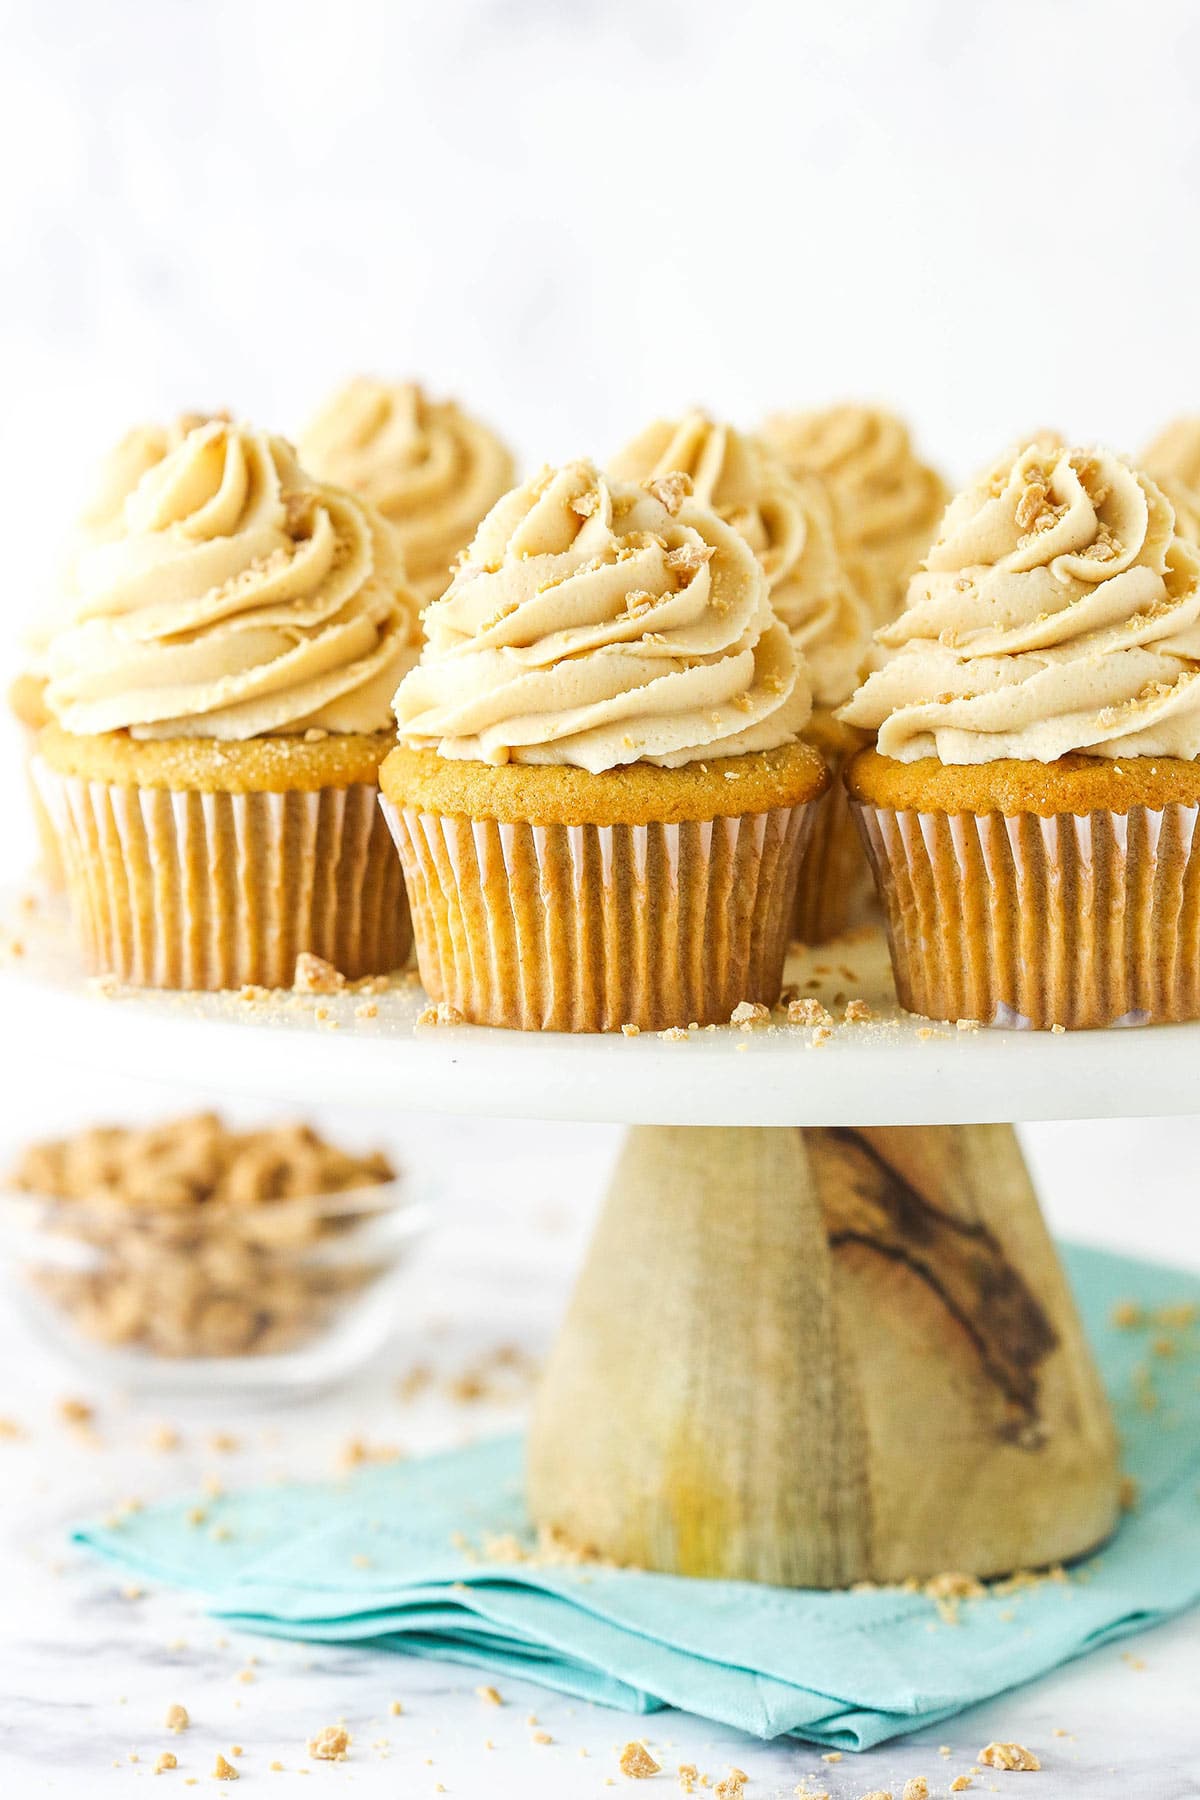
<point>89,1664</point>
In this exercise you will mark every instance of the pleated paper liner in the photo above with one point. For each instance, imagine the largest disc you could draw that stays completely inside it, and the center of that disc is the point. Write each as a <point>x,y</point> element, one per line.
<point>1072,920</point>
<point>50,860</point>
<point>592,927</point>
<point>835,888</point>
<point>206,890</point>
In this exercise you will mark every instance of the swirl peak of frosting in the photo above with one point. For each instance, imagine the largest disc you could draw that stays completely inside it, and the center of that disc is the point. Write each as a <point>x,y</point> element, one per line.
<point>429,467</point>
<point>1173,459</point>
<point>1058,611</point>
<point>239,598</point>
<point>887,502</point>
<point>597,623</point>
<point>787,523</point>
<point>142,448</point>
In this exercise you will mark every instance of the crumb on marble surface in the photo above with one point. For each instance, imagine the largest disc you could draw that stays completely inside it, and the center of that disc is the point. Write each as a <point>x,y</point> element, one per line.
<point>1008,1756</point>
<point>637,1763</point>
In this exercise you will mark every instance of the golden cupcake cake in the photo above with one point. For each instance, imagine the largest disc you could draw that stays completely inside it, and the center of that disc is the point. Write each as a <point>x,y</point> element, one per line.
<point>219,699</point>
<point>886,500</point>
<point>600,797</point>
<point>430,468</point>
<point>1030,806</point>
<point>1173,459</point>
<point>788,523</point>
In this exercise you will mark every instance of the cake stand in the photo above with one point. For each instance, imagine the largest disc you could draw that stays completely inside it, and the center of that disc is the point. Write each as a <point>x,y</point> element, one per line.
<point>822,1335</point>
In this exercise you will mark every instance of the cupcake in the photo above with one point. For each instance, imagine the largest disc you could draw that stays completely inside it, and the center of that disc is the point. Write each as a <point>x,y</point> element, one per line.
<point>219,698</point>
<point>600,798</point>
<point>1173,459</point>
<point>1030,806</point>
<point>788,523</point>
<point>431,469</point>
<point>886,501</point>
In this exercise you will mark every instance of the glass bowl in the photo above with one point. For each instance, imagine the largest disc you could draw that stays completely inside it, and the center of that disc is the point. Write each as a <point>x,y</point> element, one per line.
<point>287,1295</point>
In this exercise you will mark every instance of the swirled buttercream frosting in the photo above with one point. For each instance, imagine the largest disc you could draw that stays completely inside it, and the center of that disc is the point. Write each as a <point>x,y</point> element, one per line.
<point>141,449</point>
<point>430,468</point>
<point>597,623</point>
<point>1173,459</point>
<point>1058,611</point>
<point>887,502</point>
<point>240,598</point>
<point>787,523</point>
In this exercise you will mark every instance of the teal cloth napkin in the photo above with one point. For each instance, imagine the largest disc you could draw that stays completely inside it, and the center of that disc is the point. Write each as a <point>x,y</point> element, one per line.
<point>379,1558</point>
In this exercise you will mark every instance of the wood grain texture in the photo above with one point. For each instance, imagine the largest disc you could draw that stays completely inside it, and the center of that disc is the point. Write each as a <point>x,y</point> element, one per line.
<point>817,1357</point>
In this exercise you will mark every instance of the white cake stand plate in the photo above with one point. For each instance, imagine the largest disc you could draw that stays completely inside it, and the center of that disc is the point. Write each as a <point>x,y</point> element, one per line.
<point>370,1050</point>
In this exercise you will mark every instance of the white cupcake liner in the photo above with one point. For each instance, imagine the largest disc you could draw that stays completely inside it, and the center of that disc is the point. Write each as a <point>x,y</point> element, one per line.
<point>189,889</point>
<point>592,927</point>
<point>1072,920</point>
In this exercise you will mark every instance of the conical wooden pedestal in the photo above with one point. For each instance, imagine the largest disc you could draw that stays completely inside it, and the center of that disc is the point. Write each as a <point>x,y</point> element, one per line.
<point>823,1356</point>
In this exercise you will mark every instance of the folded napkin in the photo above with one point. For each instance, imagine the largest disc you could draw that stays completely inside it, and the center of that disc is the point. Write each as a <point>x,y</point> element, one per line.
<point>425,1557</point>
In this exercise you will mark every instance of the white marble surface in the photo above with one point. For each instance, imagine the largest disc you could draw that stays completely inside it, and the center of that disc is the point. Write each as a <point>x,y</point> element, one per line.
<point>87,1670</point>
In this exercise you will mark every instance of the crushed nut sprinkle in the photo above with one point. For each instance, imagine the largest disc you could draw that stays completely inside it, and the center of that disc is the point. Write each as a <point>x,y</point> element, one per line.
<point>331,1744</point>
<point>441,1014</point>
<point>808,1012</point>
<point>687,560</point>
<point>670,490</point>
<point>316,976</point>
<point>637,1762</point>
<point>1008,1756</point>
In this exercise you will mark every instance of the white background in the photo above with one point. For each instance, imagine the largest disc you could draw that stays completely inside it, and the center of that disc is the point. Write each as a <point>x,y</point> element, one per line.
<point>572,217</point>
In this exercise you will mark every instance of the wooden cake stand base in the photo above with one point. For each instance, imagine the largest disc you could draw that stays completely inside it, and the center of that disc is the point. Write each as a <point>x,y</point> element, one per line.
<point>819,1356</point>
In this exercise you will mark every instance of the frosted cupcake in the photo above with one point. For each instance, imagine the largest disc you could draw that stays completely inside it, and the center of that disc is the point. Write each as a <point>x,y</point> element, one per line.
<point>887,502</point>
<point>1030,807</point>
<point>1173,459</point>
<point>139,450</point>
<point>788,523</point>
<point>431,469</point>
<point>220,704</point>
<point>600,798</point>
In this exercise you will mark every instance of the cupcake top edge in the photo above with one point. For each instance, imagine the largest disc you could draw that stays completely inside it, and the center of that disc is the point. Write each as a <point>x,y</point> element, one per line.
<point>787,521</point>
<point>235,598</point>
<point>431,468</point>
<point>1057,611</point>
<point>595,622</point>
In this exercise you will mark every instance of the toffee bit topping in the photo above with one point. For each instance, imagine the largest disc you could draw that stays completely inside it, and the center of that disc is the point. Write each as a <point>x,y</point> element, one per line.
<point>586,504</point>
<point>808,1012</point>
<point>177,1718</point>
<point>1008,1756</point>
<point>687,560</point>
<point>1029,506</point>
<point>331,1744</point>
<point>670,490</point>
<point>637,1762</point>
<point>316,976</point>
<point>224,1771</point>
